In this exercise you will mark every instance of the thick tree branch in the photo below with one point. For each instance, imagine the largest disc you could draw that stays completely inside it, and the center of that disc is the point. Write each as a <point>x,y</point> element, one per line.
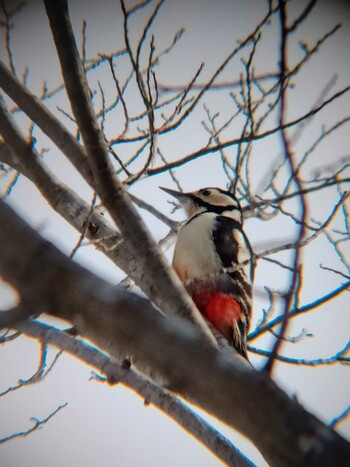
<point>10,318</point>
<point>173,297</point>
<point>46,121</point>
<point>118,321</point>
<point>70,206</point>
<point>21,155</point>
<point>253,399</point>
<point>164,401</point>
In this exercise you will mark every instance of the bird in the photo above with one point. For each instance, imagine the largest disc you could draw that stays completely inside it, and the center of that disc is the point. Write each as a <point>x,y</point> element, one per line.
<point>214,260</point>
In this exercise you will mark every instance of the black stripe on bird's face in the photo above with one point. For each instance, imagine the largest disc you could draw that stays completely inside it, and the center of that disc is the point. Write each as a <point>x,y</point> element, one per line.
<point>215,200</point>
<point>209,199</point>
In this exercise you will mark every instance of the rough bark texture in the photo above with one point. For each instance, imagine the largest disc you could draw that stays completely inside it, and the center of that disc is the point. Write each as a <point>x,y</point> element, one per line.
<point>172,296</point>
<point>117,320</point>
<point>120,322</point>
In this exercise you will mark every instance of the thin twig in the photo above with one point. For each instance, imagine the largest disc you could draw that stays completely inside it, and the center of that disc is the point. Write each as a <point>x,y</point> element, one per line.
<point>37,425</point>
<point>166,402</point>
<point>303,309</point>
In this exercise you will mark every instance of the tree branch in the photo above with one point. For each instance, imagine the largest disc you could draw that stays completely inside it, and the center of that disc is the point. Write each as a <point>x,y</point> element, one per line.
<point>296,278</point>
<point>71,207</point>
<point>37,424</point>
<point>164,401</point>
<point>121,322</point>
<point>46,121</point>
<point>299,310</point>
<point>245,139</point>
<point>173,297</point>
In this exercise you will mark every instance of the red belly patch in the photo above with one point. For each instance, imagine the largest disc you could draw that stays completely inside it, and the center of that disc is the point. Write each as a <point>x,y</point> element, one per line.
<point>221,309</point>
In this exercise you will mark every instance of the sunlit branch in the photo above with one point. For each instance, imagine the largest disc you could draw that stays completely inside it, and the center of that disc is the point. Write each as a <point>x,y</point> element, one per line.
<point>324,134</point>
<point>11,184</point>
<point>47,122</point>
<point>242,44</point>
<point>132,159</point>
<point>310,52</point>
<point>64,200</point>
<point>345,276</point>
<point>138,6</point>
<point>258,98</point>
<point>145,31</point>
<point>47,94</point>
<point>297,134</point>
<point>152,210</point>
<point>180,105</point>
<point>168,49</point>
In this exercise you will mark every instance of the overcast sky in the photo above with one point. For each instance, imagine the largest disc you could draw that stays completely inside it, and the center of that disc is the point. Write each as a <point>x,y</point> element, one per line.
<point>110,426</point>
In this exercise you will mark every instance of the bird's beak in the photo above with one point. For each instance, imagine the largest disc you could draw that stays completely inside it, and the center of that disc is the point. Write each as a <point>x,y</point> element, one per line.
<point>176,194</point>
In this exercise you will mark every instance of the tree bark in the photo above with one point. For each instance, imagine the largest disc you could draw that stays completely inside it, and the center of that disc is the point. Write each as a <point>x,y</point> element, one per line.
<point>120,321</point>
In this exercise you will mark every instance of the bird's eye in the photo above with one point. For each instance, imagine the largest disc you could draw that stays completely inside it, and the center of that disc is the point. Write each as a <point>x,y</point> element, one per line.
<point>206,193</point>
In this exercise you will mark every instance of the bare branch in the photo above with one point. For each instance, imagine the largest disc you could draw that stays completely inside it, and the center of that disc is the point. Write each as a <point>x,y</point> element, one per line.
<point>7,337</point>
<point>294,287</point>
<point>71,207</point>
<point>10,318</point>
<point>41,372</point>
<point>85,227</point>
<point>339,357</point>
<point>175,300</point>
<point>164,401</point>
<point>120,97</point>
<point>46,121</point>
<point>303,309</point>
<point>37,424</point>
<point>191,364</point>
<point>341,418</point>
<point>118,321</point>
<point>246,139</point>
<point>303,15</point>
<point>8,25</point>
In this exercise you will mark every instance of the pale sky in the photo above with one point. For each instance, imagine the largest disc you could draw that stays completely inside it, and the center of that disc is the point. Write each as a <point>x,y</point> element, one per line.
<point>110,426</point>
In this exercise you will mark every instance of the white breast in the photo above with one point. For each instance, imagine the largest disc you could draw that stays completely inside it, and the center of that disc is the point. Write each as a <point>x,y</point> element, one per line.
<point>194,255</point>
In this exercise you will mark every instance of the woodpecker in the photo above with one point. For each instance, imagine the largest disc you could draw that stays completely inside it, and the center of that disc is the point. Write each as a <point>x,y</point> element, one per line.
<point>214,260</point>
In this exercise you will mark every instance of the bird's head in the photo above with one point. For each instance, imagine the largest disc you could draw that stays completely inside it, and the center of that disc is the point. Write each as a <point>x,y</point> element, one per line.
<point>208,199</point>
